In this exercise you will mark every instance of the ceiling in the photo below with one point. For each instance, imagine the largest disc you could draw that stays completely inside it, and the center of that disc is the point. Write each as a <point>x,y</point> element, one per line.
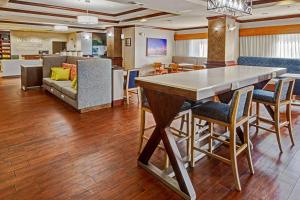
<point>169,14</point>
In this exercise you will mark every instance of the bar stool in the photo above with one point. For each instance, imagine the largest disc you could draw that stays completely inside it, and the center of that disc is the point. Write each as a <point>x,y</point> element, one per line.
<point>230,116</point>
<point>131,87</point>
<point>184,115</point>
<point>281,96</point>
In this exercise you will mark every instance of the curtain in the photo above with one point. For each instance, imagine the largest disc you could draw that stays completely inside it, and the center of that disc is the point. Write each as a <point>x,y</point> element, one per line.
<point>276,46</point>
<point>191,48</point>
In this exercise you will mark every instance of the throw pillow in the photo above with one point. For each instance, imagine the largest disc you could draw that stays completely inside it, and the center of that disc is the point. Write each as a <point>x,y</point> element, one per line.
<point>53,72</point>
<point>61,74</point>
<point>73,70</point>
<point>74,83</point>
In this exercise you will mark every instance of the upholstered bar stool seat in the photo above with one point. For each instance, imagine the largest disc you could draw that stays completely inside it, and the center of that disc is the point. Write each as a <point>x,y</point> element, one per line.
<point>213,110</point>
<point>264,95</point>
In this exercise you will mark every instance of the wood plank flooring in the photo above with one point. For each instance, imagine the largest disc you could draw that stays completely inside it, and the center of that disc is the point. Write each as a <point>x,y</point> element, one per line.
<point>49,151</point>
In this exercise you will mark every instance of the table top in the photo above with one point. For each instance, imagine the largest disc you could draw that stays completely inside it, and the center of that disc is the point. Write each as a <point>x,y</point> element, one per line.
<point>290,75</point>
<point>201,84</point>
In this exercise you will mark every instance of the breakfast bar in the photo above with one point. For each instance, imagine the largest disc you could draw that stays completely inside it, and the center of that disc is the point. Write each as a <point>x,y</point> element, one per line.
<point>167,93</point>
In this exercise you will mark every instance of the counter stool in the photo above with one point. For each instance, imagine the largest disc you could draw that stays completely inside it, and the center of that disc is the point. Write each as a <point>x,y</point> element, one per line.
<point>282,96</point>
<point>184,115</point>
<point>230,116</point>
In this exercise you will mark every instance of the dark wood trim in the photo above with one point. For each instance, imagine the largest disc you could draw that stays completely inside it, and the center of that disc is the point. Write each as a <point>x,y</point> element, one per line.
<point>49,14</point>
<point>146,16</point>
<point>144,26</point>
<point>45,24</point>
<point>76,9</point>
<point>269,18</point>
<point>221,16</point>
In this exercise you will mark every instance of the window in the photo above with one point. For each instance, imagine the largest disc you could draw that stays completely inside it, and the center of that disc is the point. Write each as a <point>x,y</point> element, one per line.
<point>191,48</point>
<point>276,46</point>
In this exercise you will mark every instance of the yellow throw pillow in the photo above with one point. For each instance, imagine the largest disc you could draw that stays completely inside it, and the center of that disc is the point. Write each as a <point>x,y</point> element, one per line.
<point>61,74</point>
<point>74,83</point>
<point>53,72</point>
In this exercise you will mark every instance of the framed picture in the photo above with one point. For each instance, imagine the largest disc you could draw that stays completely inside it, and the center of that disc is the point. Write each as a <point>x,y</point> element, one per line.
<point>156,47</point>
<point>128,42</point>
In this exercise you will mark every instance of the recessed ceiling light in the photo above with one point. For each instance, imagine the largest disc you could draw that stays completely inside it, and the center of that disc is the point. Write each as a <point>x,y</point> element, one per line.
<point>143,20</point>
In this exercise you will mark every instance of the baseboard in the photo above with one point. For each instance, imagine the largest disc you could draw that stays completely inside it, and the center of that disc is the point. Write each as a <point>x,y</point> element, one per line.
<point>94,108</point>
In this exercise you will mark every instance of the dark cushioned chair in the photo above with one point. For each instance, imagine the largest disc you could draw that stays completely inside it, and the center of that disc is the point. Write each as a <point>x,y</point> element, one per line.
<point>230,116</point>
<point>281,97</point>
<point>292,65</point>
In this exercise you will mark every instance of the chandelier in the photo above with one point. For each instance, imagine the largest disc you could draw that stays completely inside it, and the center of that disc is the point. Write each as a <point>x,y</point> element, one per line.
<point>87,19</point>
<point>234,8</point>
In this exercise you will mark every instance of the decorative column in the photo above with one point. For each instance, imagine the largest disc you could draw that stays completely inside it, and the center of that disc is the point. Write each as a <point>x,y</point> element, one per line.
<point>223,41</point>
<point>114,45</point>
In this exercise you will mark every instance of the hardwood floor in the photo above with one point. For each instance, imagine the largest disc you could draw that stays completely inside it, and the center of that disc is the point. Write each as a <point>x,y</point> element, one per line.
<point>49,151</point>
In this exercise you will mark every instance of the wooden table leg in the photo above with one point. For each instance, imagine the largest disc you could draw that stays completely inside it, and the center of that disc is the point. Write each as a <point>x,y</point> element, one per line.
<point>164,108</point>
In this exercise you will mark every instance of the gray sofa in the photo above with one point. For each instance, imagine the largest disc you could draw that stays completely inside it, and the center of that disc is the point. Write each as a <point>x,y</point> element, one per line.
<point>190,60</point>
<point>94,87</point>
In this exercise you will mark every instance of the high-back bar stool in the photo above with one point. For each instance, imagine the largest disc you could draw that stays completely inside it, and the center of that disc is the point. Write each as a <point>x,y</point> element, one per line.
<point>282,96</point>
<point>182,135</point>
<point>230,116</point>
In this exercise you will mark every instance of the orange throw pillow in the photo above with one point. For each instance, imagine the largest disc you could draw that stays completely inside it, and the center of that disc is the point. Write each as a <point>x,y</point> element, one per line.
<point>73,70</point>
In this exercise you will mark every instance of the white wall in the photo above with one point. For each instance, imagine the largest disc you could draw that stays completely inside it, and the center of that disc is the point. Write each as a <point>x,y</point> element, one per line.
<point>141,35</point>
<point>84,43</point>
<point>29,43</point>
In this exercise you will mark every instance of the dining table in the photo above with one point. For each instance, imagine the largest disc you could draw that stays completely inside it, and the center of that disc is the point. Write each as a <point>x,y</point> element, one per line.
<point>167,93</point>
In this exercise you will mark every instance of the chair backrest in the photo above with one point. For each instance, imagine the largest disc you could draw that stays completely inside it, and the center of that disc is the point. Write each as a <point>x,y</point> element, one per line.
<point>174,67</point>
<point>131,75</point>
<point>241,104</point>
<point>284,89</point>
<point>198,67</point>
<point>157,65</point>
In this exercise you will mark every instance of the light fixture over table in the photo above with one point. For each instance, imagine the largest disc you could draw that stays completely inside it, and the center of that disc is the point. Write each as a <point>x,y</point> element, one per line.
<point>234,8</point>
<point>87,19</point>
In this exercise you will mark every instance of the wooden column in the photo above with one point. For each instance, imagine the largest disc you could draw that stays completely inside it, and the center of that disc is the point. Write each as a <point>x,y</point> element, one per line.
<point>114,45</point>
<point>223,41</point>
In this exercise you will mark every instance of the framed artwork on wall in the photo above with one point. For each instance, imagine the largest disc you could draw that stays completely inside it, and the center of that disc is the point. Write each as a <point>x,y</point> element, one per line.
<point>128,42</point>
<point>156,47</point>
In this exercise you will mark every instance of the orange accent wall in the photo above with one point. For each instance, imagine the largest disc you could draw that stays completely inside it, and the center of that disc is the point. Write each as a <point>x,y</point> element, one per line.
<point>270,30</point>
<point>191,36</point>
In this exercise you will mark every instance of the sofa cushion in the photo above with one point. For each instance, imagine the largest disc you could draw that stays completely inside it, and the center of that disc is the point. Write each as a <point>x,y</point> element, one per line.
<point>48,81</point>
<point>70,92</point>
<point>60,84</point>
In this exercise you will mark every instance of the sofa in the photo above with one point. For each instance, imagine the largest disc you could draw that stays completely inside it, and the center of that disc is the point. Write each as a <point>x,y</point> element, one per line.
<point>292,65</point>
<point>190,60</point>
<point>94,82</point>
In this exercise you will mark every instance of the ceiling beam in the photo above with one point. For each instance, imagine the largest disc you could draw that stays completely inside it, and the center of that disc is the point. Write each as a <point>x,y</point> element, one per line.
<point>269,18</point>
<point>43,5</point>
<point>46,24</point>
<point>49,14</point>
<point>147,16</point>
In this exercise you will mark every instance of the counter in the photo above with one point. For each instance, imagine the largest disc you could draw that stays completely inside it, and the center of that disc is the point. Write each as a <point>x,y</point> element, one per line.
<point>13,67</point>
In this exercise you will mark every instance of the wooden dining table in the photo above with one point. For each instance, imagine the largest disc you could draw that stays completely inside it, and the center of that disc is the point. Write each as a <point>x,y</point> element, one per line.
<point>167,93</point>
